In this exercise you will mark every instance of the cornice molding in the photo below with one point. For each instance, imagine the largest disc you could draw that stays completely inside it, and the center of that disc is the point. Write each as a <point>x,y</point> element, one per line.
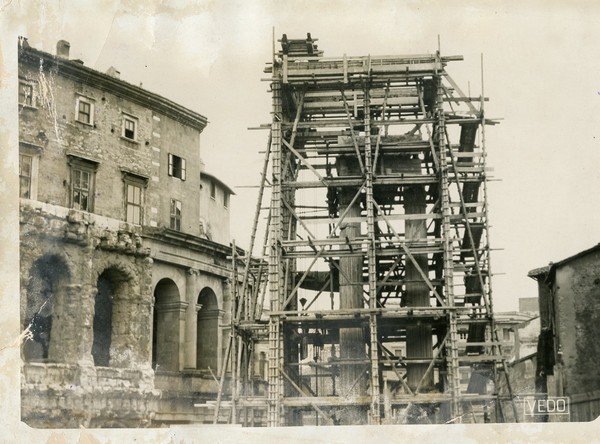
<point>78,71</point>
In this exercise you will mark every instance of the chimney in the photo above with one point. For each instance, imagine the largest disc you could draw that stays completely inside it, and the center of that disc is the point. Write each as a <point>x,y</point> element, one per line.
<point>23,43</point>
<point>112,71</point>
<point>62,49</point>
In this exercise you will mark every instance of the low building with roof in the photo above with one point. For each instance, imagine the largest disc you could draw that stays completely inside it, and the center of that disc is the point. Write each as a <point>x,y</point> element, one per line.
<point>568,349</point>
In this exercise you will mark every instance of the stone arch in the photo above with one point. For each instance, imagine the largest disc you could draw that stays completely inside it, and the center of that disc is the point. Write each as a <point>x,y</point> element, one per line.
<point>166,326</point>
<point>207,330</point>
<point>46,292</point>
<point>114,286</point>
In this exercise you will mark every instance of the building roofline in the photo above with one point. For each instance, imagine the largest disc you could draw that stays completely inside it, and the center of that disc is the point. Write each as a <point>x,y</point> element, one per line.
<point>537,273</point>
<point>189,240</point>
<point>219,181</point>
<point>513,316</point>
<point>114,85</point>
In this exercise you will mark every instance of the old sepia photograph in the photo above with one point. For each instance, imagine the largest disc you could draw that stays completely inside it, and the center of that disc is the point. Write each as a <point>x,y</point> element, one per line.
<point>252,216</point>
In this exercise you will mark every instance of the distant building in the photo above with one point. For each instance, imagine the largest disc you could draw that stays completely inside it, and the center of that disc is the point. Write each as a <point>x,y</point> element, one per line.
<point>569,350</point>
<point>529,305</point>
<point>125,276</point>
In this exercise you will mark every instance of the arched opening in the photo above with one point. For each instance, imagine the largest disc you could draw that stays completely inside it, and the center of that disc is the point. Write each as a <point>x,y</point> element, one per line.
<point>110,285</point>
<point>207,333</point>
<point>165,326</point>
<point>48,278</point>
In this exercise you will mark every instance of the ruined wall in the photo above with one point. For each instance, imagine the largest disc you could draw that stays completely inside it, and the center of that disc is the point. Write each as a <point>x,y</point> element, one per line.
<point>577,306</point>
<point>66,388</point>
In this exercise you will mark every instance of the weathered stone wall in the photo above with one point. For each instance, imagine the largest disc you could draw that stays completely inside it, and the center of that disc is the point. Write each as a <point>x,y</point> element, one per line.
<point>61,386</point>
<point>67,384</point>
<point>66,395</point>
<point>577,305</point>
<point>52,125</point>
<point>68,380</point>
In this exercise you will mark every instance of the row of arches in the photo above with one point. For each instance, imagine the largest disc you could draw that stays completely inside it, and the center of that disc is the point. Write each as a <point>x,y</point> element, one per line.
<point>168,326</point>
<point>46,306</point>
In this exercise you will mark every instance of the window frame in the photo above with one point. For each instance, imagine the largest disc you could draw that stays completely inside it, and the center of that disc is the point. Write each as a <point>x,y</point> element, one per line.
<point>87,101</point>
<point>172,160</point>
<point>29,177</point>
<point>132,180</point>
<point>89,167</point>
<point>129,118</point>
<point>31,86</point>
<point>174,218</point>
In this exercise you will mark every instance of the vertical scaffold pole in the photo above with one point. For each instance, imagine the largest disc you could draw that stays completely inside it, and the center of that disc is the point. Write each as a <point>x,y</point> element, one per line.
<point>275,390</point>
<point>453,369</point>
<point>375,417</point>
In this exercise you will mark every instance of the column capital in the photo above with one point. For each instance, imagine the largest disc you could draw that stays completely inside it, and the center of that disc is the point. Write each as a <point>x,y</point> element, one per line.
<point>193,272</point>
<point>180,306</point>
<point>212,313</point>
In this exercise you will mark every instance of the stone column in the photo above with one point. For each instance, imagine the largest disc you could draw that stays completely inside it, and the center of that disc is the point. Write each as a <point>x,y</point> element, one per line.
<point>352,344</point>
<point>72,319</point>
<point>418,337</point>
<point>83,297</point>
<point>352,341</point>
<point>191,316</point>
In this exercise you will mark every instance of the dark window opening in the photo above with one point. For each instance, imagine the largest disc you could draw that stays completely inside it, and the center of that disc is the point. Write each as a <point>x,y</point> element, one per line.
<point>213,190</point>
<point>165,327</point>
<point>129,125</point>
<point>207,330</point>
<point>176,166</point>
<point>175,222</point>
<point>226,199</point>
<point>48,278</point>
<point>103,311</point>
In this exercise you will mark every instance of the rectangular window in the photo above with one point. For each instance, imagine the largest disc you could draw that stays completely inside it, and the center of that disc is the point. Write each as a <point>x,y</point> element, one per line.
<point>82,187</point>
<point>83,174</point>
<point>506,334</point>
<point>176,166</point>
<point>133,201</point>
<point>25,94</point>
<point>85,111</point>
<point>175,215</point>
<point>213,190</point>
<point>129,127</point>
<point>226,199</point>
<point>25,164</point>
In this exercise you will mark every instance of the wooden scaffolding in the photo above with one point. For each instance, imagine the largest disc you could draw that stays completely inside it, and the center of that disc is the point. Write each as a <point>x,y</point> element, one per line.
<point>372,299</point>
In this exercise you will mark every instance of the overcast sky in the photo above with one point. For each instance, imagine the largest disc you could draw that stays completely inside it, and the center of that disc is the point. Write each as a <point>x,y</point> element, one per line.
<point>542,74</point>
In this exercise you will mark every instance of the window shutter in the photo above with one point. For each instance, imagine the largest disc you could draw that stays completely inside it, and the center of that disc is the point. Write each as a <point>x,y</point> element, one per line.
<point>170,164</point>
<point>182,169</point>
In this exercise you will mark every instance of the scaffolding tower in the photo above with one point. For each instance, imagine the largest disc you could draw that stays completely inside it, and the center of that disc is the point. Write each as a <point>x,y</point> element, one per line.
<point>373,296</point>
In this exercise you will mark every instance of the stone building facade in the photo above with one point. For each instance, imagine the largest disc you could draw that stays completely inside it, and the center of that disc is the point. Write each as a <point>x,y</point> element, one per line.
<point>568,354</point>
<point>125,276</point>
